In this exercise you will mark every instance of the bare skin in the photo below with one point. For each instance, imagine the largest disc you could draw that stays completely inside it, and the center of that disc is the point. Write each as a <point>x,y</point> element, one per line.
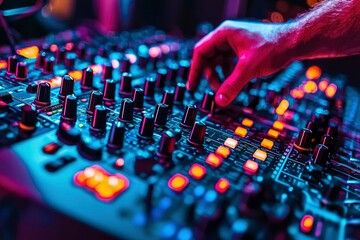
<point>332,29</point>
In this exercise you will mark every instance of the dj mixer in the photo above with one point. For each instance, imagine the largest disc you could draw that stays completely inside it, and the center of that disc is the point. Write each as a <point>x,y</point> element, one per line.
<point>101,129</point>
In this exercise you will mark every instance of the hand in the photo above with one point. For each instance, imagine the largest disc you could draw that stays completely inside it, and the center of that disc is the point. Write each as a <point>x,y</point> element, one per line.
<point>261,49</point>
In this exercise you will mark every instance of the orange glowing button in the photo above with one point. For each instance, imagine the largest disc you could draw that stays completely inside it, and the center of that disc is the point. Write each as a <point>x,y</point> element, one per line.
<point>273,133</point>
<point>240,131</point>
<point>28,52</point>
<point>231,143</point>
<point>266,143</point>
<point>76,75</point>
<point>80,178</point>
<point>247,122</point>
<point>307,223</point>
<point>313,73</point>
<point>197,171</point>
<point>331,90</point>
<point>323,85</point>
<point>118,182</point>
<point>214,160</point>
<point>96,179</point>
<point>119,163</point>
<point>3,64</point>
<point>222,185</point>
<point>104,190</point>
<point>278,125</point>
<point>178,182</point>
<point>310,87</point>
<point>251,166</point>
<point>259,154</point>
<point>223,151</point>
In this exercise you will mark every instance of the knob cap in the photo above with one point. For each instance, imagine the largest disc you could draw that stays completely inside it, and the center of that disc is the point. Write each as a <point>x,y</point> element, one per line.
<point>109,91</point>
<point>21,71</point>
<point>161,112</point>
<point>67,87</point>
<point>303,142</point>
<point>96,98</point>
<point>60,54</point>
<point>28,118</point>
<point>172,72</point>
<point>87,79</point>
<point>179,92</point>
<point>332,130</point>
<point>328,141</point>
<point>107,71</point>
<point>197,135</point>
<point>49,64</point>
<point>69,112</point>
<point>160,78</point>
<point>40,59</point>
<point>320,155</point>
<point>43,94</point>
<point>189,116</point>
<point>184,68</point>
<point>69,134</point>
<point>168,99</point>
<point>125,65</point>
<point>138,98</point>
<point>146,128</point>
<point>166,144</point>
<point>98,122</point>
<point>11,64</point>
<point>116,137</point>
<point>125,85</point>
<point>126,110</point>
<point>70,60</point>
<point>90,148</point>
<point>81,50</point>
<point>149,87</point>
<point>207,103</point>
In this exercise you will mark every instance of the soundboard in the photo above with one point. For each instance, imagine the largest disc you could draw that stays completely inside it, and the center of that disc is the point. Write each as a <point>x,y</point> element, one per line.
<point>101,129</point>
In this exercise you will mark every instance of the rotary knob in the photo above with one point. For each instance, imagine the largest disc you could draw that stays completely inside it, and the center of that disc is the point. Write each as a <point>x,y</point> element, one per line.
<point>161,112</point>
<point>99,119</point>
<point>109,91</point>
<point>21,71</point>
<point>116,137</point>
<point>69,112</point>
<point>28,118</point>
<point>87,79</point>
<point>67,87</point>
<point>189,116</point>
<point>96,98</point>
<point>125,85</point>
<point>43,94</point>
<point>303,142</point>
<point>126,110</point>
<point>146,128</point>
<point>197,135</point>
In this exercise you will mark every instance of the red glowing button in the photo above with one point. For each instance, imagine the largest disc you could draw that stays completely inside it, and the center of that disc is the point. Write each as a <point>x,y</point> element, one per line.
<point>197,171</point>
<point>251,166</point>
<point>119,163</point>
<point>214,160</point>
<point>307,223</point>
<point>222,185</point>
<point>178,182</point>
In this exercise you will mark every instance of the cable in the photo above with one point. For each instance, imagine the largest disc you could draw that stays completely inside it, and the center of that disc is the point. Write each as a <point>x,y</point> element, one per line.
<point>23,11</point>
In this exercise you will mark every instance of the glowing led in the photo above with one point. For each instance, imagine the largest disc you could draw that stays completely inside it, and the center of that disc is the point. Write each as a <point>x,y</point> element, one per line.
<point>53,47</point>
<point>3,64</point>
<point>331,90</point>
<point>89,172</point>
<point>240,131</point>
<point>222,185</point>
<point>223,151</point>
<point>197,171</point>
<point>132,57</point>
<point>307,223</point>
<point>119,162</point>
<point>266,143</point>
<point>76,75</point>
<point>247,122</point>
<point>115,63</point>
<point>276,17</point>
<point>178,182</point>
<point>28,52</point>
<point>231,143</point>
<point>154,52</point>
<point>283,106</point>
<point>251,166</point>
<point>278,125</point>
<point>80,178</point>
<point>323,85</point>
<point>96,68</point>
<point>313,73</point>
<point>95,180</point>
<point>259,154</point>
<point>273,133</point>
<point>297,93</point>
<point>310,87</point>
<point>213,160</point>
<point>69,46</point>
<point>104,190</point>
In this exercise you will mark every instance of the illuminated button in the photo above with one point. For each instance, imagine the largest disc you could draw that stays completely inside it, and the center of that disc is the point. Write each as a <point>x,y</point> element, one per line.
<point>242,132</point>
<point>313,72</point>
<point>104,190</point>
<point>251,166</point>
<point>231,143</point>
<point>223,151</point>
<point>273,133</point>
<point>3,64</point>
<point>197,171</point>
<point>214,160</point>
<point>278,126</point>
<point>178,182</point>
<point>247,122</point>
<point>28,52</point>
<point>51,148</point>
<point>266,143</point>
<point>259,154</point>
<point>80,178</point>
<point>95,180</point>
<point>76,75</point>
<point>307,223</point>
<point>119,163</point>
<point>118,182</point>
<point>222,185</point>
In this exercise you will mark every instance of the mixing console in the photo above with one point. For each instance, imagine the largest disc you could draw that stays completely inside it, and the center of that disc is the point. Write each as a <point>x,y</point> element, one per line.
<point>101,129</point>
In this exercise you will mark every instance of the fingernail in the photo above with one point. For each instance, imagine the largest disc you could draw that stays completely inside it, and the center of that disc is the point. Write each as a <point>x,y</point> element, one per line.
<point>222,99</point>
<point>187,86</point>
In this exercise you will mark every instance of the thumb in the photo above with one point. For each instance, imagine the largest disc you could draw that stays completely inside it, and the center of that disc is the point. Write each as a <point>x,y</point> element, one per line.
<point>231,87</point>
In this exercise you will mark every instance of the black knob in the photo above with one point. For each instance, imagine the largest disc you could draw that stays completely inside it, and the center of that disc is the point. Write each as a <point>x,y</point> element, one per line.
<point>32,87</point>
<point>60,54</point>
<point>207,103</point>
<point>11,64</point>
<point>172,72</point>
<point>116,136</point>
<point>90,148</point>
<point>43,94</point>
<point>107,72</point>
<point>125,65</point>
<point>125,85</point>
<point>160,115</point>
<point>166,144</point>
<point>126,110</point>
<point>146,128</point>
<point>320,155</point>
<point>197,135</point>
<point>328,141</point>
<point>184,68</point>
<point>98,122</point>
<point>67,87</point>
<point>69,112</point>
<point>332,130</point>
<point>49,64</point>
<point>87,79</point>
<point>168,99</point>
<point>303,142</point>
<point>21,71</point>
<point>40,59</point>
<point>68,133</point>
<point>109,91</point>
<point>96,98</point>
<point>138,98</point>
<point>28,118</point>
<point>149,87</point>
<point>179,92</point>
<point>189,116</point>
<point>70,60</point>
<point>160,78</point>
<point>81,50</point>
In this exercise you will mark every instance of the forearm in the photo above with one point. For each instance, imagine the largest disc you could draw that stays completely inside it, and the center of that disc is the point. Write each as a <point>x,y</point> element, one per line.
<point>332,29</point>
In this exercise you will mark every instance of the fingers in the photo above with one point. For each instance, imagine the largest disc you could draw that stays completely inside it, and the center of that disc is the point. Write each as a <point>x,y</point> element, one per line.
<point>213,78</point>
